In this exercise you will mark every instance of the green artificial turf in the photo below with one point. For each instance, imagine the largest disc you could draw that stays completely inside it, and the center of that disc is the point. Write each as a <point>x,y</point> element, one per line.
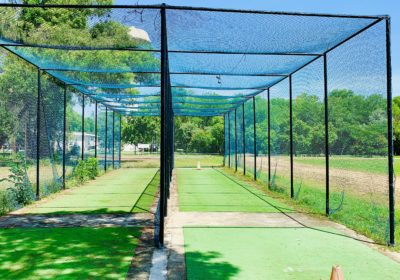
<point>66,253</point>
<point>209,190</point>
<point>280,253</point>
<point>115,192</point>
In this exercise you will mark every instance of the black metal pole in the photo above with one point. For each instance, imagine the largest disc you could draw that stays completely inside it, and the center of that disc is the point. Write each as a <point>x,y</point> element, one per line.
<point>244,140</point>
<point>95,130</point>
<point>64,134</point>
<point>113,139</point>
<point>229,139</point>
<point>224,147</point>
<point>38,114</point>
<point>105,141</point>
<point>390,135</point>
<point>120,140</point>
<point>326,136</point>
<point>291,135</point>
<point>255,138</point>
<point>83,128</point>
<point>236,156</point>
<point>163,116</point>
<point>269,136</point>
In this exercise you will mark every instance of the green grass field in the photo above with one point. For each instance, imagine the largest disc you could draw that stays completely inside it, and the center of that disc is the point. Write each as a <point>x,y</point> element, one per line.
<point>66,253</point>
<point>191,160</point>
<point>115,192</point>
<point>373,165</point>
<point>280,253</point>
<point>209,190</point>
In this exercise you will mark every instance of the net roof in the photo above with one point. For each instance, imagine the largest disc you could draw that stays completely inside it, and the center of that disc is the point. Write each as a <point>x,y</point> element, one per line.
<point>217,59</point>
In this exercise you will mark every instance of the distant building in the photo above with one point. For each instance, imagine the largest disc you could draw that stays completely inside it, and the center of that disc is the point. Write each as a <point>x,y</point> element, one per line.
<point>140,148</point>
<point>76,140</point>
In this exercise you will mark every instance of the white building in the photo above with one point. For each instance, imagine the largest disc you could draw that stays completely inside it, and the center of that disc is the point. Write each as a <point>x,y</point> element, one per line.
<point>76,140</point>
<point>140,148</point>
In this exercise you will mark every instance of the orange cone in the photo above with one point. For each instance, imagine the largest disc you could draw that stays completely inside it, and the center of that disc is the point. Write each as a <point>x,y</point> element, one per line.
<point>337,273</point>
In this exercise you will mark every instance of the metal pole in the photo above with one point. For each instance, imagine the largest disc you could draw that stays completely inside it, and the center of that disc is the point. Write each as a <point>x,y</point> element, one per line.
<point>83,128</point>
<point>38,114</point>
<point>162,200</point>
<point>224,147</point>
<point>229,139</point>
<point>244,140</point>
<point>390,135</point>
<point>95,130</point>
<point>120,140</point>
<point>269,137</point>
<point>64,134</point>
<point>106,142</point>
<point>113,139</point>
<point>291,136</point>
<point>326,136</point>
<point>236,156</point>
<point>255,138</point>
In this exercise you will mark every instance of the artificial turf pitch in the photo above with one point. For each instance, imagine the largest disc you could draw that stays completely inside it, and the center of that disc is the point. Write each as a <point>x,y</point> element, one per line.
<point>280,253</point>
<point>210,190</point>
<point>66,253</point>
<point>114,192</point>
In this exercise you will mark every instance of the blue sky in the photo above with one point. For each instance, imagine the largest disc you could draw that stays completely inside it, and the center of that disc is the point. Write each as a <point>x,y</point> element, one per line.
<point>357,7</point>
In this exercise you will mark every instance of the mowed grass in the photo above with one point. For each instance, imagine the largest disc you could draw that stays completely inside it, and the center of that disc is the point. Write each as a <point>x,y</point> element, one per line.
<point>66,253</point>
<point>115,192</point>
<point>280,253</point>
<point>191,160</point>
<point>372,165</point>
<point>209,190</point>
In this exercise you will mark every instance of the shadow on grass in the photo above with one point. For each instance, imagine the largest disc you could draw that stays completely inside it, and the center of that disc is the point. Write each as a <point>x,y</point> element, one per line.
<point>206,266</point>
<point>67,253</point>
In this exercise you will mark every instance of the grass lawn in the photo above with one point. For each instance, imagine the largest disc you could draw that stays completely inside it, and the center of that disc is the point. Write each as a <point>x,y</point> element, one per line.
<point>373,165</point>
<point>189,160</point>
<point>115,192</point>
<point>209,190</point>
<point>66,253</point>
<point>280,253</point>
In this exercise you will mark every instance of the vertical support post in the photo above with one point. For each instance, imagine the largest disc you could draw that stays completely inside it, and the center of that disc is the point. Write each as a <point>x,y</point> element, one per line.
<point>106,141</point>
<point>229,139</point>
<point>326,136</point>
<point>390,135</point>
<point>244,140</point>
<point>95,130</point>
<point>83,128</point>
<point>291,135</point>
<point>163,115</point>
<point>120,140</point>
<point>236,155</point>
<point>269,136</point>
<point>113,139</point>
<point>224,146</point>
<point>38,114</point>
<point>255,138</point>
<point>64,135</point>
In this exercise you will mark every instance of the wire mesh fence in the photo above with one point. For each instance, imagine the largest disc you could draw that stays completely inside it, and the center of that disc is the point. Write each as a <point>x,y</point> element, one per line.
<point>307,107</point>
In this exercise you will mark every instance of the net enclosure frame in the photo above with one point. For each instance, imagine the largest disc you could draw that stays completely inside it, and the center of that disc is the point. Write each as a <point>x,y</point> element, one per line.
<point>196,90</point>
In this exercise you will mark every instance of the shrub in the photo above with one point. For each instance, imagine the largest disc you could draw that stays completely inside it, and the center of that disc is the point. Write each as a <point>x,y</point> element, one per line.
<point>21,193</point>
<point>87,169</point>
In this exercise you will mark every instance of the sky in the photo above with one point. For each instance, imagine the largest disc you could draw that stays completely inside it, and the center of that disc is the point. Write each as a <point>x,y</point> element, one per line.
<point>356,7</point>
